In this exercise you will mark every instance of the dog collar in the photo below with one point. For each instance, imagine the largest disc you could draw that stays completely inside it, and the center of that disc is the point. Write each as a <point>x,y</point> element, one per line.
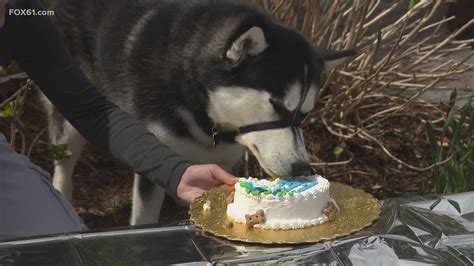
<point>227,135</point>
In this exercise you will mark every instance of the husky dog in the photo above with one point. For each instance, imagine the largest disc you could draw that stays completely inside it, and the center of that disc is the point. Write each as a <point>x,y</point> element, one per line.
<point>195,72</point>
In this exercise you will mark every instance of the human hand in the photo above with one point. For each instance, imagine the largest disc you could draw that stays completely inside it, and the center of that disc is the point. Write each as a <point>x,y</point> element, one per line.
<point>200,178</point>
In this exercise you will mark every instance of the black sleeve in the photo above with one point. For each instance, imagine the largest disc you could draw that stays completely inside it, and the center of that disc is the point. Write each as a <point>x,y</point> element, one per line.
<point>41,53</point>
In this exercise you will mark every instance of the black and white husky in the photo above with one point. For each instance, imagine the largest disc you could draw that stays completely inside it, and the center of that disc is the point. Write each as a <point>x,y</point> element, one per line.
<point>191,70</point>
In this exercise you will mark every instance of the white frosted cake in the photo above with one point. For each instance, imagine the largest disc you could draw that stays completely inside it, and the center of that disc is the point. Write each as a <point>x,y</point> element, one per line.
<point>282,203</point>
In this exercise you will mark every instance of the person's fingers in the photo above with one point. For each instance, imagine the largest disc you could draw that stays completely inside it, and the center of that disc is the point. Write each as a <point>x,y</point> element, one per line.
<point>222,175</point>
<point>193,195</point>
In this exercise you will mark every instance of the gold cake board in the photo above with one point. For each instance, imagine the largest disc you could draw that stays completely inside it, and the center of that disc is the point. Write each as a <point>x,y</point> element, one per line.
<point>358,210</point>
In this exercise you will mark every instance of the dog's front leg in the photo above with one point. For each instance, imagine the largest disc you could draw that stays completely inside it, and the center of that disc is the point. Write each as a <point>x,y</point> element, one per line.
<point>147,201</point>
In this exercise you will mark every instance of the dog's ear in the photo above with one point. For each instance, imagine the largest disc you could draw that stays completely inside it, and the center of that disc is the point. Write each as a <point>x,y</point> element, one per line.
<point>333,59</point>
<point>252,42</point>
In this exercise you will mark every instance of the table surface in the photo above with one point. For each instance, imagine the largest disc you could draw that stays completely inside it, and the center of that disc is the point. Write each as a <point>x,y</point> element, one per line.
<point>418,230</point>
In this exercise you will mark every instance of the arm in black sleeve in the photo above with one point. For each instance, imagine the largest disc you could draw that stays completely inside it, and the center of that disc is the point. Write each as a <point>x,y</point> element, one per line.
<point>41,53</point>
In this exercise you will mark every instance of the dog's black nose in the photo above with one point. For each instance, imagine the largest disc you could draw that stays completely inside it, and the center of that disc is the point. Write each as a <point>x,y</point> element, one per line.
<point>300,168</point>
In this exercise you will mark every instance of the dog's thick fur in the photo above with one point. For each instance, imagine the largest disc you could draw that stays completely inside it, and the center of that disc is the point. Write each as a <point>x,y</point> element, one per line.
<point>182,67</point>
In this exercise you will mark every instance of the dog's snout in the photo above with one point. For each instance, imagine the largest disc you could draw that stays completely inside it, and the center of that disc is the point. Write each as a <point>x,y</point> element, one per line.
<point>300,168</point>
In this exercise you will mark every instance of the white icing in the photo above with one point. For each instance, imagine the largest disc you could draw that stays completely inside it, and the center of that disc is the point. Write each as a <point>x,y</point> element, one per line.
<point>303,209</point>
<point>206,206</point>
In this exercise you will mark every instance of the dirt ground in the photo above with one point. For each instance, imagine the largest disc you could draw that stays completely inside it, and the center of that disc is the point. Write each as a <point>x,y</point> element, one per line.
<point>102,194</point>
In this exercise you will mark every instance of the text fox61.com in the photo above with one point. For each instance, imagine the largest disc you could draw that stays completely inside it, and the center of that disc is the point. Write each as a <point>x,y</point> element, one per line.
<point>30,12</point>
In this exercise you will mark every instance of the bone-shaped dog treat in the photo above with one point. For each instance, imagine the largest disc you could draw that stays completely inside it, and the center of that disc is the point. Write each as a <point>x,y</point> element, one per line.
<point>253,219</point>
<point>330,211</point>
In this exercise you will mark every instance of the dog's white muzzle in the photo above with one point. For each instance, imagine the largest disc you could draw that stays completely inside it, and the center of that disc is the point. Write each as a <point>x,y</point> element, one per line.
<point>280,152</point>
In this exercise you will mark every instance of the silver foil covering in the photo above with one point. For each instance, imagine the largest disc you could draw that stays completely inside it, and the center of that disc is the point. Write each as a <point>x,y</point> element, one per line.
<point>432,230</point>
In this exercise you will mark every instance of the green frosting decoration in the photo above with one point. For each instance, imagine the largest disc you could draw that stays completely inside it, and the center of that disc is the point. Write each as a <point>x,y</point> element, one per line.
<point>284,187</point>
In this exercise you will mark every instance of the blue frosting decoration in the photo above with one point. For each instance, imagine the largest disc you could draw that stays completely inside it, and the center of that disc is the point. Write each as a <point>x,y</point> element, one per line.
<point>284,187</point>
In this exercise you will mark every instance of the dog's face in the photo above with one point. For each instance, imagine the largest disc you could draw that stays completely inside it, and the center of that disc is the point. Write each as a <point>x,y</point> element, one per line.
<point>264,77</point>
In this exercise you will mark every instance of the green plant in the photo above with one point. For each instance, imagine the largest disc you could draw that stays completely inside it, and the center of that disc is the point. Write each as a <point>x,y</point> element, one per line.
<point>456,142</point>
<point>412,4</point>
<point>13,107</point>
<point>339,150</point>
<point>59,152</point>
